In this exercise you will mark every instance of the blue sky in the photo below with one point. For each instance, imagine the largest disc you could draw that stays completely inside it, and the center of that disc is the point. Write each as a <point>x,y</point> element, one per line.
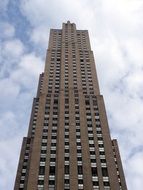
<point>115,29</point>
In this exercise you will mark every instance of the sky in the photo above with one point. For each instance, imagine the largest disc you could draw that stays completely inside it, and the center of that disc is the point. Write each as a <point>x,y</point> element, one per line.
<point>115,29</point>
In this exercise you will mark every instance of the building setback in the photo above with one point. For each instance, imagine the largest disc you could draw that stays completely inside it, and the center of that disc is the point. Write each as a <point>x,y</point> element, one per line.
<point>68,145</point>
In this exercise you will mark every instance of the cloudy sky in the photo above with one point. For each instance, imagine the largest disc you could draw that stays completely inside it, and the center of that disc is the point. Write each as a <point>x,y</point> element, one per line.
<point>115,29</point>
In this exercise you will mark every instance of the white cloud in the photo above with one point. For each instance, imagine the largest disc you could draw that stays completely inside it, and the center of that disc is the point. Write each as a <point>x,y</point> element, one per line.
<point>3,5</point>
<point>134,82</point>
<point>9,129</point>
<point>39,36</point>
<point>6,30</point>
<point>28,70</point>
<point>52,11</point>
<point>12,48</point>
<point>21,81</point>
<point>11,51</point>
<point>8,160</point>
<point>9,94</point>
<point>135,164</point>
<point>17,90</point>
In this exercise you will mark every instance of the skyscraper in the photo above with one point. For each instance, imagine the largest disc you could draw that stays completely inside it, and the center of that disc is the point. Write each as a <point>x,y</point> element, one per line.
<point>68,145</point>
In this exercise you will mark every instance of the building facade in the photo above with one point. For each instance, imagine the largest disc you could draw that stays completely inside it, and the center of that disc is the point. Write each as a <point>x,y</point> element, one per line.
<point>68,145</point>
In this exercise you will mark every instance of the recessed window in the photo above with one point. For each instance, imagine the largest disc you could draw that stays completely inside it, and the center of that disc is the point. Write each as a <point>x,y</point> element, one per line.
<point>94,171</point>
<point>41,170</point>
<point>67,169</point>
<point>80,170</point>
<point>104,172</point>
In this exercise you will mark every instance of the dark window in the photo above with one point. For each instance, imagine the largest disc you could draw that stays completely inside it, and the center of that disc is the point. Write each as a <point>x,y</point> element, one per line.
<point>66,150</point>
<point>51,182</point>
<point>53,151</point>
<point>53,144</point>
<point>44,144</point>
<point>78,143</point>
<point>93,160</point>
<point>53,137</point>
<point>52,170</point>
<point>54,130</point>
<point>78,136</point>
<point>95,183</point>
<point>41,170</point>
<point>67,158</point>
<point>80,181</point>
<point>103,161</point>
<point>92,152</point>
<point>22,181</point>
<point>80,171</point>
<point>104,172</point>
<point>90,138</point>
<point>42,159</point>
<point>91,145</point>
<point>101,145</point>
<point>78,150</point>
<point>106,183</point>
<point>44,137</point>
<point>94,171</point>
<point>87,102</point>
<point>79,158</point>
<point>98,132</point>
<point>43,151</point>
<point>40,182</point>
<point>100,138</point>
<point>45,130</point>
<point>67,169</point>
<point>102,153</point>
<point>67,181</point>
<point>52,159</point>
<point>66,143</point>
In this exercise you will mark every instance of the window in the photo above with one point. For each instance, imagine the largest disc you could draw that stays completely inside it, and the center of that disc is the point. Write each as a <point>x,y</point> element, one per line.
<point>67,169</point>
<point>80,181</point>
<point>52,170</point>
<point>79,158</point>
<point>67,158</point>
<point>104,172</point>
<point>80,170</point>
<point>52,159</point>
<point>40,182</point>
<point>66,150</point>
<point>94,171</point>
<point>106,183</point>
<point>41,170</point>
<point>67,181</point>
<point>93,160</point>
<point>78,150</point>
<point>103,161</point>
<point>95,183</point>
<point>43,151</point>
<point>51,182</point>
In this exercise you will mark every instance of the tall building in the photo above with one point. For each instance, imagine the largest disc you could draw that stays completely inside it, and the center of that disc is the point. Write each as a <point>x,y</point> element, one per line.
<point>68,145</point>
